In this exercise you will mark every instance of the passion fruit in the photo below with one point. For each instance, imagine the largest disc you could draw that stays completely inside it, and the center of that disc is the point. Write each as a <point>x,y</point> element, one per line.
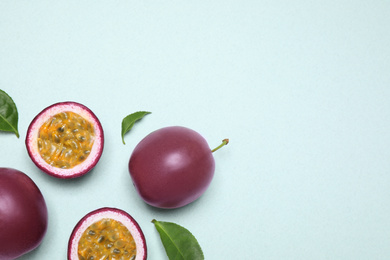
<point>65,140</point>
<point>23,214</point>
<point>107,233</point>
<point>172,167</point>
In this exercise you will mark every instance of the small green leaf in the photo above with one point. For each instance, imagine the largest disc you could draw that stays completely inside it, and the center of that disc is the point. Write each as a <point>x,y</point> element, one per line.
<point>128,122</point>
<point>8,114</point>
<point>179,243</point>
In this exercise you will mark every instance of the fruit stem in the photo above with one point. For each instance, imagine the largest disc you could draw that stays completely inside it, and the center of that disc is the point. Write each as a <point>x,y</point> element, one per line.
<point>224,142</point>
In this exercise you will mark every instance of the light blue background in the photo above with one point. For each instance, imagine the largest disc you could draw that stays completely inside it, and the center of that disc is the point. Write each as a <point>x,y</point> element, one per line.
<point>301,88</point>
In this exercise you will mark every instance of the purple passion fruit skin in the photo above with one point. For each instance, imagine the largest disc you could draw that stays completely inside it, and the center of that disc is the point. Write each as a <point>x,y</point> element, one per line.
<point>91,229</point>
<point>171,167</point>
<point>60,146</point>
<point>23,214</point>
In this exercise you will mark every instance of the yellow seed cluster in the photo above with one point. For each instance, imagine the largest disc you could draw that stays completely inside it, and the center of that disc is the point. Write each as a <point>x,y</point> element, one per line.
<point>65,140</point>
<point>107,239</point>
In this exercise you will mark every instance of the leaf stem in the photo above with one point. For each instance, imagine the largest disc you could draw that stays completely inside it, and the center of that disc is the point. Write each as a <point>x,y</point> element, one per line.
<point>224,142</point>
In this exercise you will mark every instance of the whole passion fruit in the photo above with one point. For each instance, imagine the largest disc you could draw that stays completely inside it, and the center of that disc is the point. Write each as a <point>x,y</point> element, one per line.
<point>65,140</point>
<point>172,167</point>
<point>107,233</point>
<point>23,214</point>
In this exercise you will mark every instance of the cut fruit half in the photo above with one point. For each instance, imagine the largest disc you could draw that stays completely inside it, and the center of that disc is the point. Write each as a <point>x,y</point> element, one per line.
<point>107,233</point>
<point>65,140</point>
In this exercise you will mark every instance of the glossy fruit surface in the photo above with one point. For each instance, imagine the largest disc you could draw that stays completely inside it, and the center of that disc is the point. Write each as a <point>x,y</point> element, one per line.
<point>107,233</point>
<point>23,214</point>
<point>171,167</point>
<point>65,140</point>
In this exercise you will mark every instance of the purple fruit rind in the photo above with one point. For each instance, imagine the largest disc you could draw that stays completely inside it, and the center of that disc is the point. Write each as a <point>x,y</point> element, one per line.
<point>23,214</point>
<point>171,167</point>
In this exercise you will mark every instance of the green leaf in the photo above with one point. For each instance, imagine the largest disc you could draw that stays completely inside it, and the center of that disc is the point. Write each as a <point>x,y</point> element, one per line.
<point>8,114</point>
<point>128,122</point>
<point>179,243</point>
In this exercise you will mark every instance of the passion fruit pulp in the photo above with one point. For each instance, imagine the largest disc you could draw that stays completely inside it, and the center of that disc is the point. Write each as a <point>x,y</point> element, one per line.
<point>65,140</point>
<point>23,214</point>
<point>107,233</point>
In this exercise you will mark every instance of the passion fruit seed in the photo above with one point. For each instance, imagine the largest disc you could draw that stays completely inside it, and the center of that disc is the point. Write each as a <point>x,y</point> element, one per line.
<point>107,239</point>
<point>65,140</point>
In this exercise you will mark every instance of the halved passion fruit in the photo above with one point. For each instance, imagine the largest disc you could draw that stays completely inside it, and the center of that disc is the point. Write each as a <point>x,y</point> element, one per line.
<point>65,140</point>
<point>107,234</point>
